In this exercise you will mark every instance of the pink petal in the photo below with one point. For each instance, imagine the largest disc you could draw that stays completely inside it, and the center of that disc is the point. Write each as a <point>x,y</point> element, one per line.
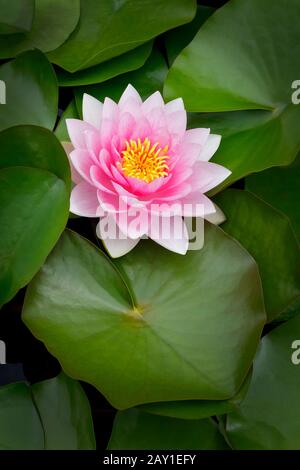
<point>92,110</point>
<point>208,175</point>
<point>111,202</point>
<point>116,247</point>
<point>197,136</point>
<point>110,110</point>
<point>126,126</point>
<point>84,200</point>
<point>174,105</point>
<point>217,218</point>
<point>175,235</point>
<point>82,162</point>
<point>76,129</point>
<point>130,92</point>
<point>133,223</point>
<point>197,205</point>
<point>100,180</point>
<point>176,123</point>
<point>75,176</point>
<point>154,101</point>
<point>105,162</point>
<point>210,147</point>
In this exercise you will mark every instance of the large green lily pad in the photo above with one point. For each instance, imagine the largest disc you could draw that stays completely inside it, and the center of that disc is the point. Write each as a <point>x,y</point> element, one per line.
<point>108,28</point>
<point>34,201</point>
<point>129,326</point>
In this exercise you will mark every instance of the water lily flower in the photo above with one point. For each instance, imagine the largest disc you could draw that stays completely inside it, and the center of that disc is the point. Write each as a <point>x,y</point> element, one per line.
<point>135,156</point>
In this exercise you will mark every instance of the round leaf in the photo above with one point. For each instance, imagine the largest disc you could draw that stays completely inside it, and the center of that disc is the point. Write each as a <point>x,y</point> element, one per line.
<point>268,236</point>
<point>34,201</point>
<point>233,65</point>
<point>16,16</point>
<point>53,22</point>
<point>132,60</point>
<point>129,334</point>
<point>31,91</point>
<point>280,188</point>
<point>269,417</point>
<point>108,28</point>
<point>146,80</point>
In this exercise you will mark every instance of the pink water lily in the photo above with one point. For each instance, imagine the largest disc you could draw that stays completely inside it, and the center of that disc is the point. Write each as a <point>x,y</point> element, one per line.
<point>138,156</point>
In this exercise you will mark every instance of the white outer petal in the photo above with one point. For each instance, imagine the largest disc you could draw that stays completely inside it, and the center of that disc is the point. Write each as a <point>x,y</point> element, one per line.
<point>210,147</point>
<point>92,110</point>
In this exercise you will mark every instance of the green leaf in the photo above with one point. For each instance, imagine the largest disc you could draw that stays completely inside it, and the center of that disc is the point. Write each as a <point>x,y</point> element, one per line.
<point>269,238</point>
<point>134,430</point>
<point>269,417</point>
<point>127,62</point>
<point>146,80</point>
<point>108,28</point>
<point>177,39</point>
<point>233,65</point>
<point>50,415</point>
<point>197,409</point>
<point>70,112</point>
<point>31,91</point>
<point>280,188</point>
<point>65,414</point>
<point>53,22</point>
<point>20,426</point>
<point>129,326</point>
<point>16,16</point>
<point>34,201</point>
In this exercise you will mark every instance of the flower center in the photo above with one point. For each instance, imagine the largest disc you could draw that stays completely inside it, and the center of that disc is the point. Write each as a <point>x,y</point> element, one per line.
<point>143,161</point>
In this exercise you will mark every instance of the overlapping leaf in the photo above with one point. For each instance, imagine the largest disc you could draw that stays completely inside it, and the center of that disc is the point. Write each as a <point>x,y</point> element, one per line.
<point>243,58</point>
<point>108,28</point>
<point>129,334</point>
<point>269,417</point>
<point>127,62</point>
<point>50,415</point>
<point>280,188</point>
<point>31,93</point>
<point>34,202</point>
<point>134,429</point>
<point>16,16</point>
<point>53,22</point>
<point>268,236</point>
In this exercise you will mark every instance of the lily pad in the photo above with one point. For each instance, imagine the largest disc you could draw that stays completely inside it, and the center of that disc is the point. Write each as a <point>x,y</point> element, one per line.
<point>269,417</point>
<point>146,80</point>
<point>49,415</point>
<point>109,28</point>
<point>53,22</point>
<point>243,58</point>
<point>16,16</point>
<point>280,188</point>
<point>268,236</point>
<point>128,326</point>
<point>31,91</point>
<point>34,201</point>
<point>134,430</point>
<point>127,62</point>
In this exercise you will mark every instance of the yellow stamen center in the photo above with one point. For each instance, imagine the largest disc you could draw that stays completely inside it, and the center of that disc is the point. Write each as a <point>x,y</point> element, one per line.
<point>143,161</point>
